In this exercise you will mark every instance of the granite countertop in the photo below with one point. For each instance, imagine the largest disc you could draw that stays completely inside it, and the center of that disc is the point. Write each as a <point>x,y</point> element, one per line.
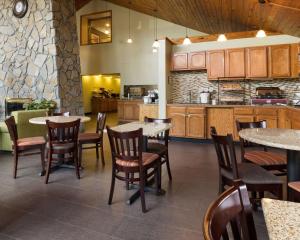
<point>273,137</point>
<point>282,219</point>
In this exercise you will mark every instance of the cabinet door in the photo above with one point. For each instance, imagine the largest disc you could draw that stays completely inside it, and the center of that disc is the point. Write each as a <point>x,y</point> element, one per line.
<point>241,118</point>
<point>197,60</point>
<point>178,124</point>
<point>257,62</point>
<point>180,61</point>
<point>215,64</point>
<point>271,120</point>
<point>131,111</point>
<point>221,119</point>
<point>295,124</point>
<point>195,126</point>
<point>120,110</point>
<point>280,61</point>
<point>235,63</point>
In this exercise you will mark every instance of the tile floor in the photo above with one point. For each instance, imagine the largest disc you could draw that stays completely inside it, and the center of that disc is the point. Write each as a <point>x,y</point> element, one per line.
<point>71,209</point>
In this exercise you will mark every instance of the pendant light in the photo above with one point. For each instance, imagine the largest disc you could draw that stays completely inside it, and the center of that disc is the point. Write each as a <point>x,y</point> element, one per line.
<point>155,44</point>
<point>129,40</point>
<point>260,33</point>
<point>221,37</point>
<point>187,40</point>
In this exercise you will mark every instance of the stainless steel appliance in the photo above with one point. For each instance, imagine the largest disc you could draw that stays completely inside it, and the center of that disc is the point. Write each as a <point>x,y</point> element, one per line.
<point>269,95</point>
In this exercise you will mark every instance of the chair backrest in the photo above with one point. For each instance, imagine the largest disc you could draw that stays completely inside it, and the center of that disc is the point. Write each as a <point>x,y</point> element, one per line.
<point>63,133</point>
<point>164,136</point>
<point>232,208</point>
<point>225,152</point>
<point>127,146</point>
<point>12,129</point>
<point>66,114</point>
<point>101,119</point>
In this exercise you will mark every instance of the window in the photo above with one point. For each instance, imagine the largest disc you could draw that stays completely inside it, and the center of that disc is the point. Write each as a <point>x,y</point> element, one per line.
<point>96,28</point>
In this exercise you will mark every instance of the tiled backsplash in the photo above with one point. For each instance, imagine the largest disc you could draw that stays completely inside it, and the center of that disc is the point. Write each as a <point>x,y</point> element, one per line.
<point>184,82</point>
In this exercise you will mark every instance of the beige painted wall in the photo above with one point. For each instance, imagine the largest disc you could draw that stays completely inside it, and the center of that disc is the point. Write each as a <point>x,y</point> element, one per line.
<point>135,62</point>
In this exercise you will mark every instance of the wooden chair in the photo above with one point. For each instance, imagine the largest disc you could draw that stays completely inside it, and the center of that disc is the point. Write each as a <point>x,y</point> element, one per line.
<point>93,138</point>
<point>257,179</point>
<point>25,146</point>
<point>160,145</point>
<point>232,208</point>
<point>261,157</point>
<point>63,142</point>
<point>65,114</point>
<point>128,158</point>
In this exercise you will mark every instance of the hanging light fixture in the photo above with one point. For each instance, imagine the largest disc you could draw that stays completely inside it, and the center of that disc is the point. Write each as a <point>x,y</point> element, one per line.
<point>260,33</point>
<point>187,40</point>
<point>222,37</point>
<point>129,40</point>
<point>155,44</point>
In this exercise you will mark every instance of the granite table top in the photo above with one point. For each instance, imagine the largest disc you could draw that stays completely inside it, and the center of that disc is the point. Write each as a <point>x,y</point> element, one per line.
<point>273,137</point>
<point>149,129</point>
<point>282,219</point>
<point>58,119</point>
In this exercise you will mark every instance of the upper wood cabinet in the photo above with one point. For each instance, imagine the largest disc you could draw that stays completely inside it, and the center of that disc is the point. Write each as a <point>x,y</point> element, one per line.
<point>235,63</point>
<point>215,64</point>
<point>257,62</point>
<point>197,60</point>
<point>280,61</point>
<point>180,61</point>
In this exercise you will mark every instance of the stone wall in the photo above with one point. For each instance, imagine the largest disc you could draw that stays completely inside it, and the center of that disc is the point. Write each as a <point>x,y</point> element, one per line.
<point>184,82</point>
<point>39,54</point>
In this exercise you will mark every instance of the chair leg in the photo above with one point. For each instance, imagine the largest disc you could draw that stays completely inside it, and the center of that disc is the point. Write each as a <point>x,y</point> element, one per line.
<point>16,159</point>
<point>112,186</point>
<point>142,190</point>
<point>75,156</point>
<point>97,151</point>
<point>43,160</point>
<point>127,181</point>
<point>168,166</point>
<point>48,167</point>
<point>102,155</point>
<point>158,178</point>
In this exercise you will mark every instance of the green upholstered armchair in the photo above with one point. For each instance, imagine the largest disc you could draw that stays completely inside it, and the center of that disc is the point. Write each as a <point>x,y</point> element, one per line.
<point>25,129</point>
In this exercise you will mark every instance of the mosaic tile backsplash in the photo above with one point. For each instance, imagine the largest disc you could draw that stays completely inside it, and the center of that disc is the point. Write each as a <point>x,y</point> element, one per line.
<point>186,83</point>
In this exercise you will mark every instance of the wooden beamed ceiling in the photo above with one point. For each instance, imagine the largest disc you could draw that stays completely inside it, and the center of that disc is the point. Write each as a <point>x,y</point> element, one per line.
<point>223,16</point>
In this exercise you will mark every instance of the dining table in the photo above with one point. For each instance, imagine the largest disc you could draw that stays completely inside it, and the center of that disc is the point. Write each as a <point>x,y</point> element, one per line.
<point>282,219</point>
<point>150,130</point>
<point>287,139</point>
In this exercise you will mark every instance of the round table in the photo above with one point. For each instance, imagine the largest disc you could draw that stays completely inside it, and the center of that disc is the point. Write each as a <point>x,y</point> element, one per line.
<point>58,119</point>
<point>288,139</point>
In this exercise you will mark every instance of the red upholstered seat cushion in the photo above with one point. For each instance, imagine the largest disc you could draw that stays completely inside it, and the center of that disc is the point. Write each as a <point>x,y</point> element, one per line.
<point>263,158</point>
<point>295,186</point>
<point>32,141</point>
<point>147,158</point>
<point>86,137</point>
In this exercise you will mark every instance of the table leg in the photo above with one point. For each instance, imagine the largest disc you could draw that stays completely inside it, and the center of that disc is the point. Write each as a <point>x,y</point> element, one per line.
<point>293,167</point>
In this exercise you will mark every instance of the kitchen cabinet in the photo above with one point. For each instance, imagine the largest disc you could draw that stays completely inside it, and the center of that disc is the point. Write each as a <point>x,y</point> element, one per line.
<point>180,61</point>
<point>103,105</point>
<point>120,110</point>
<point>148,110</point>
<point>271,120</point>
<point>177,114</point>
<point>295,119</point>
<point>128,110</point>
<point>197,60</point>
<point>242,114</point>
<point>235,66</point>
<point>195,122</point>
<point>280,61</point>
<point>257,62</point>
<point>215,64</point>
<point>221,119</point>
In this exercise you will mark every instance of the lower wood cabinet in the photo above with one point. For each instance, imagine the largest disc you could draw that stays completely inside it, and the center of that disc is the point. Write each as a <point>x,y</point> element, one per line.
<point>221,119</point>
<point>241,118</point>
<point>271,120</point>
<point>128,110</point>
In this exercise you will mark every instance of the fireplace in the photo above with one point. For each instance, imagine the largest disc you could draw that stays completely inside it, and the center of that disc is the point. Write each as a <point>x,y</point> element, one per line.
<point>15,104</point>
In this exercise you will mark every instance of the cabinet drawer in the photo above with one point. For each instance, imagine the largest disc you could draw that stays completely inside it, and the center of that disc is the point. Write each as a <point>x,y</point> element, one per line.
<point>266,111</point>
<point>243,111</point>
<point>172,110</point>
<point>195,110</point>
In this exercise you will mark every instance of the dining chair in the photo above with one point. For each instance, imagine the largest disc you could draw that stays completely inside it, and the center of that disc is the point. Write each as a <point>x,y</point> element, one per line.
<point>259,154</point>
<point>160,143</point>
<point>256,178</point>
<point>128,158</point>
<point>25,146</point>
<point>93,138</point>
<point>65,114</point>
<point>63,144</point>
<point>232,209</point>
